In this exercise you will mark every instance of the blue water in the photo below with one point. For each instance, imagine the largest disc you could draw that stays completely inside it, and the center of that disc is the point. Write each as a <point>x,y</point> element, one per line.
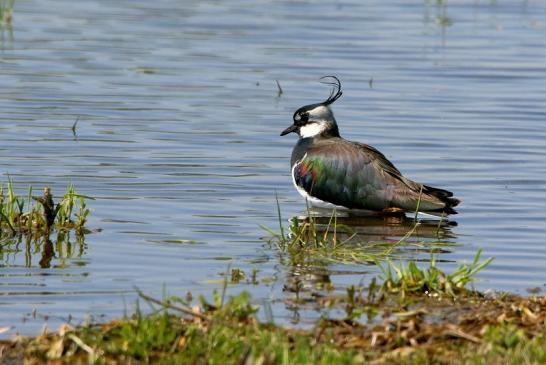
<point>178,137</point>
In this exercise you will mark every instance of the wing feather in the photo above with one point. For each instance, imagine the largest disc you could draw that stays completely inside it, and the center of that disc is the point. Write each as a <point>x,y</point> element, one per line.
<point>358,176</point>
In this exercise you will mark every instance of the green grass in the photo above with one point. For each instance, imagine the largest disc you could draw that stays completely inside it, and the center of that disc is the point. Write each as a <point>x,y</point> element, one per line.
<point>230,335</point>
<point>506,330</point>
<point>502,343</point>
<point>410,278</point>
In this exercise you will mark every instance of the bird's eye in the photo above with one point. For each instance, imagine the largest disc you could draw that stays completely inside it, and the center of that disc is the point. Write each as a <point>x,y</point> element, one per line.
<point>297,117</point>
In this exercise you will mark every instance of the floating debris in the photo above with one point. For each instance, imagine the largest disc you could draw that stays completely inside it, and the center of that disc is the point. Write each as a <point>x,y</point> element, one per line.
<point>279,89</point>
<point>74,126</point>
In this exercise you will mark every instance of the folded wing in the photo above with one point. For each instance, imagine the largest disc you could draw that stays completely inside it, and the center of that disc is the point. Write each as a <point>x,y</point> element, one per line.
<point>358,176</point>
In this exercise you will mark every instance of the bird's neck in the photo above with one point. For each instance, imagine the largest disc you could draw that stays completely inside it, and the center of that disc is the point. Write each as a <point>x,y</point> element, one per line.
<point>331,132</point>
<point>321,129</point>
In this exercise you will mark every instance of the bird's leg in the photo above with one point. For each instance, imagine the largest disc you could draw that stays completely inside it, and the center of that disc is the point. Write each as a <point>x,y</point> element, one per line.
<point>394,211</point>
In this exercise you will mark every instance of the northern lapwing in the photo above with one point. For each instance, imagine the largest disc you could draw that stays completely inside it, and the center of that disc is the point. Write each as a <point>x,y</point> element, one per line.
<point>330,171</point>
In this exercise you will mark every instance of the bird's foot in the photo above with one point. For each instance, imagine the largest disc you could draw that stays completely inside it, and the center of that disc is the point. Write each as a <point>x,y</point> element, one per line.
<point>394,212</point>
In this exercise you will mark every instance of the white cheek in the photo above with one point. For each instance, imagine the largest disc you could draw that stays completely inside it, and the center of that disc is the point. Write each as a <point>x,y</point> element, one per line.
<point>311,130</point>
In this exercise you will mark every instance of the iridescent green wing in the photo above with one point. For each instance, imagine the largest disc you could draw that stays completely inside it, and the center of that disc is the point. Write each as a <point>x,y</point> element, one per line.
<point>346,174</point>
<point>358,176</point>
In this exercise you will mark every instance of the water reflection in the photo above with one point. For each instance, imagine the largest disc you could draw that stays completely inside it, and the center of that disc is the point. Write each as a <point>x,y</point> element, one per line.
<point>41,251</point>
<point>371,226</point>
<point>6,36</point>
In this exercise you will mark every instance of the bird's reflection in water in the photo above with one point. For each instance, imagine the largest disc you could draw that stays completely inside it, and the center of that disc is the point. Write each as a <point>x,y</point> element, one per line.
<point>310,279</point>
<point>375,227</point>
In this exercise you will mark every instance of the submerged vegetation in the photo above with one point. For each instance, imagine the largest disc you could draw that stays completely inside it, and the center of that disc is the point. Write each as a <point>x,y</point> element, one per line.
<point>313,239</point>
<point>308,239</point>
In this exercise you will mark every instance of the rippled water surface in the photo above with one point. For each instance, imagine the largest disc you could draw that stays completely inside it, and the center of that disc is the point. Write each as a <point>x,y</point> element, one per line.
<point>178,136</point>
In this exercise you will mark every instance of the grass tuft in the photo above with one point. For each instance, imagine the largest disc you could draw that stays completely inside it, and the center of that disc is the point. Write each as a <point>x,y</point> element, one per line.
<point>308,240</point>
<point>410,278</point>
<point>38,216</point>
<point>312,240</point>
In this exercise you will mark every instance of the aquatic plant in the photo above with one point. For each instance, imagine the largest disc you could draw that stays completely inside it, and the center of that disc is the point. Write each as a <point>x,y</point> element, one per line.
<point>326,239</point>
<point>39,215</point>
<point>410,278</point>
<point>307,239</point>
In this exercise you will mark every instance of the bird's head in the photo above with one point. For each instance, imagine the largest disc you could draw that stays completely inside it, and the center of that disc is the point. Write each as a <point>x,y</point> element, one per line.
<point>317,119</point>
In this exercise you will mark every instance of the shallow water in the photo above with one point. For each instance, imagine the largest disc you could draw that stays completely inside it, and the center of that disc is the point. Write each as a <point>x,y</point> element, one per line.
<point>178,137</point>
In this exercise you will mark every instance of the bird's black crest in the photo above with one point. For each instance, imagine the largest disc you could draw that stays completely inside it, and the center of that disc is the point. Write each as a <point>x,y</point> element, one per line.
<point>336,91</point>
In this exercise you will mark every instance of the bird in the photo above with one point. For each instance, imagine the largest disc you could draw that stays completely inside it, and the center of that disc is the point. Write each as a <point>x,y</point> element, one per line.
<point>332,172</point>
